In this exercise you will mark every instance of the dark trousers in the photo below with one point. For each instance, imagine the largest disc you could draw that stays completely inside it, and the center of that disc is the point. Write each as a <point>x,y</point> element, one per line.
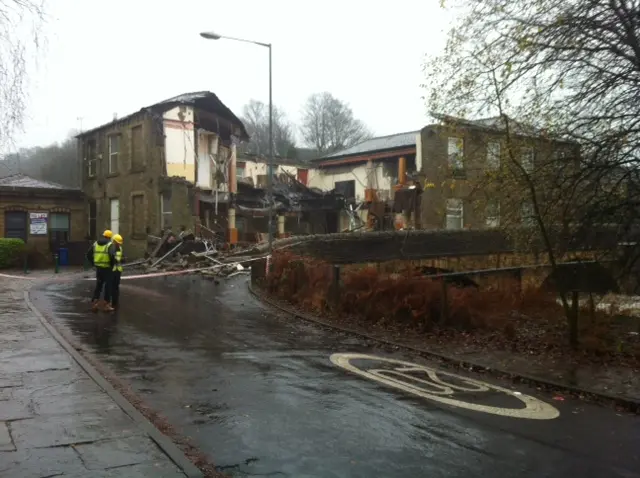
<point>115,288</point>
<point>103,280</point>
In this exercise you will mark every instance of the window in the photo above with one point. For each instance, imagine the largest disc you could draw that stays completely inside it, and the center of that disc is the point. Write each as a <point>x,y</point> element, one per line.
<point>137,215</point>
<point>92,158</point>
<point>239,172</point>
<point>559,160</point>
<point>137,150</point>
<point>165,210</point>
<point>456,154</point>
<point>526,159</point>
<point>115,215</point>
<point>493,156</point>
<point>15,225</point>
<point>455,219</point>
<point>346,188</point>
<point>492,213</point>
<point>59,227</point>
<point>527,213</point>
<point>93,213</point>
<point>114,151</point>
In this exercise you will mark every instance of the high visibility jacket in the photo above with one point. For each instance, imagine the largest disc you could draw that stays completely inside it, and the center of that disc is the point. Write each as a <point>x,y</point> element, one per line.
<point>118,266</point>
<point>101,255</point>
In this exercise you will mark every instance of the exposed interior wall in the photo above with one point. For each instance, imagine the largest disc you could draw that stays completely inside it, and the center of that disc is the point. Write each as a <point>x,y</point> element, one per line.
<point>257,171</point>
<point>180,142</point>
<point>384,175</point>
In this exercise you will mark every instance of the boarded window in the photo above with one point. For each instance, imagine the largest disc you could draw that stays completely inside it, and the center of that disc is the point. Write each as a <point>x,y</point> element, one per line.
<point>137,149</point>
<point>137,211</point>
<point>493,156</point>
<point>455,213</point>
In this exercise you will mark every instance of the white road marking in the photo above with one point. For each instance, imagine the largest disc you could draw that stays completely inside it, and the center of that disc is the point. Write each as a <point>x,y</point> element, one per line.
<point>534,409</point>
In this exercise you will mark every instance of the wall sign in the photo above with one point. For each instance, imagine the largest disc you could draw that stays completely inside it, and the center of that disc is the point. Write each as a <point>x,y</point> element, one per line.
<point>38,223</point>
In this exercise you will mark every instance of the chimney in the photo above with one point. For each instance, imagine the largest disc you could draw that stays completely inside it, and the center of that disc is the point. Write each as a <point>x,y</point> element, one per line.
<point>115,116</point>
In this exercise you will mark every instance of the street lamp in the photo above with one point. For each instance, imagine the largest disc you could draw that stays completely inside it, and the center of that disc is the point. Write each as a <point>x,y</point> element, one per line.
<point>215,36</point>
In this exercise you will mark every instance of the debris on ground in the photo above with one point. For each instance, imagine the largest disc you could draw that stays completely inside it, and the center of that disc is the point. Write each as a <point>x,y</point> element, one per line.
<point>175,252</point>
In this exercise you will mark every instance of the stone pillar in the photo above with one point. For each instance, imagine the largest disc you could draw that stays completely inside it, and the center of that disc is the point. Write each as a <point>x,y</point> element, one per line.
<point>233,188</point>
<point>402,170</point>
<point>281,222</point>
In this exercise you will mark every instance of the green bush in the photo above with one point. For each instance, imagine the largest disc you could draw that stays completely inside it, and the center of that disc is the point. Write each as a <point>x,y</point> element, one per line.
<point>11,251</point>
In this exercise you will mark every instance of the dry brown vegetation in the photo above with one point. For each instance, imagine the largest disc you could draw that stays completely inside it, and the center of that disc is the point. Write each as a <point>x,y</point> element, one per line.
<point>406,303</point>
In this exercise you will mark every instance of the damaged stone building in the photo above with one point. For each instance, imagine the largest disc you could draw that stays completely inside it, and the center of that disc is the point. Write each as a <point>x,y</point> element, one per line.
<point>173,166</point>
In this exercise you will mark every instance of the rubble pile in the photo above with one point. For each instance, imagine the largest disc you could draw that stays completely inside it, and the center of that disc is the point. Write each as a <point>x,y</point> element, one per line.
<point>175,252</point>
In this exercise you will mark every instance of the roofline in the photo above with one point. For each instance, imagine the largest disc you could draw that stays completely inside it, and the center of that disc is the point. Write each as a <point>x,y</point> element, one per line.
<point>27,189</point>
<point>364,157</point>
<point>470,124</point>
<point>337,155</point>
<point>164,106</point>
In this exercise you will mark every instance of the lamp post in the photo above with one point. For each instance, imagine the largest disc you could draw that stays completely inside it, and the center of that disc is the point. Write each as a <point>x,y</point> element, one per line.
<point>215,36</point>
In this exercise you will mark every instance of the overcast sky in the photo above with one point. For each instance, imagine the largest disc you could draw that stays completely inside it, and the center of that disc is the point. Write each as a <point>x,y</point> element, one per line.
<point>118,56</point>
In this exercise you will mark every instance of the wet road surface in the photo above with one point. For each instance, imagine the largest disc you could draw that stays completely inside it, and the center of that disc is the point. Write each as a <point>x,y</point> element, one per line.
<point>261,396</point>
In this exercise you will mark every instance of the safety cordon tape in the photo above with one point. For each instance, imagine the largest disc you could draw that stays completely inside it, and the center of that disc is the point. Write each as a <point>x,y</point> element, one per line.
<point>136,276</point>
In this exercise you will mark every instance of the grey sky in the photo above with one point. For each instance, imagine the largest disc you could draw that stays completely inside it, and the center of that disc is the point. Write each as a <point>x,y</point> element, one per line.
<point>117,56</point>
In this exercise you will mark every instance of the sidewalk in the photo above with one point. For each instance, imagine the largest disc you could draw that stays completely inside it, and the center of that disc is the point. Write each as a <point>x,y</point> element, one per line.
<point>54,418</point>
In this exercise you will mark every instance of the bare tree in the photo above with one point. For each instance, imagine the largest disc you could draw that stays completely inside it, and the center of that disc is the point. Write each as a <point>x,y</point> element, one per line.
<point>328,124</point>
<point>57,162</point>
<point>569,70</point>
<point>256,119</point>
<point>14,61</point>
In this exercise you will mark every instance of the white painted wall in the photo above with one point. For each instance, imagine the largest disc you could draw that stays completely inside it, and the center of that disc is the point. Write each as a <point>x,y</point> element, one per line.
<point>179,142</point>
<point>253,169</point>
<point>326,178</point>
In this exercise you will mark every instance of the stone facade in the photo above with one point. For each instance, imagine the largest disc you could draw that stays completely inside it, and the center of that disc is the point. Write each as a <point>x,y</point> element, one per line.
<point>21,201</point>
<point>472,183</point>
<point>140,172</point>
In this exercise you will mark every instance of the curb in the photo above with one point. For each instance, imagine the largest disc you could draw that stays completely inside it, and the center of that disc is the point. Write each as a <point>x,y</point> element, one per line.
<point>165,444</point>
<point>629,404</point>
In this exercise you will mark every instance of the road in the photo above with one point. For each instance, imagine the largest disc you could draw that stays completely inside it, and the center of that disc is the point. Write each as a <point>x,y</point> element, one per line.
<point>265,395</point>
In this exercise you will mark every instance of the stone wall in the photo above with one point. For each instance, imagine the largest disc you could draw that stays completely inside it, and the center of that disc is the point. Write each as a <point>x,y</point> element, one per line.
<point>38,246</point>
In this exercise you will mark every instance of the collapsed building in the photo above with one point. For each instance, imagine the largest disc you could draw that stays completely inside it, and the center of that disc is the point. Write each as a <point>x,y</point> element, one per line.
<point>174,166</point>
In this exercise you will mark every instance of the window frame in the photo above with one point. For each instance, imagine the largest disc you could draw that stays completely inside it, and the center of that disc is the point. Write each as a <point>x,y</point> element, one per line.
<point>492,221</point>
<point>493,159</point>
<point>165,196</point>
<point>530,165</point>
<point>458,213</point>
<point>114,154</point>
<point>455,159</point>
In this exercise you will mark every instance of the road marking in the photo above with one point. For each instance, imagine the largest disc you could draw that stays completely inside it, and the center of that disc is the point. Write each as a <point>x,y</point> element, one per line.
<point>442,391</point>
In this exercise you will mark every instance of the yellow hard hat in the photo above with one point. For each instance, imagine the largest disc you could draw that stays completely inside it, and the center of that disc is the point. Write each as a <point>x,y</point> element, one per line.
<point>107,234</point>
<point>118,238</point>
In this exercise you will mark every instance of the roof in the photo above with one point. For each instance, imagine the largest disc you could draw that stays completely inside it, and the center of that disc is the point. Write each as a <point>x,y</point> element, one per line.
<point>498,124</point>
<point>20,181</point>
<point>380,143</point>
<point>204,100</point>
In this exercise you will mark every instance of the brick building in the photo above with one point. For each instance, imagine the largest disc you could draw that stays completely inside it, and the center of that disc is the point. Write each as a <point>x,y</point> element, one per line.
<point>157,168</point>
<point>45,215</point>
<point>457,159</point>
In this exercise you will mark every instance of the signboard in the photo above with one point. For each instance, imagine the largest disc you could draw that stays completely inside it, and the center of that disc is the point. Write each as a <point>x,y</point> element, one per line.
<point>38,223</point>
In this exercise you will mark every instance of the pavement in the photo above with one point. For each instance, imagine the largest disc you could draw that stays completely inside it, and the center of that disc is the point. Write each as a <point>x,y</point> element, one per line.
<point>266,395</point>
<point>54,418</point>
